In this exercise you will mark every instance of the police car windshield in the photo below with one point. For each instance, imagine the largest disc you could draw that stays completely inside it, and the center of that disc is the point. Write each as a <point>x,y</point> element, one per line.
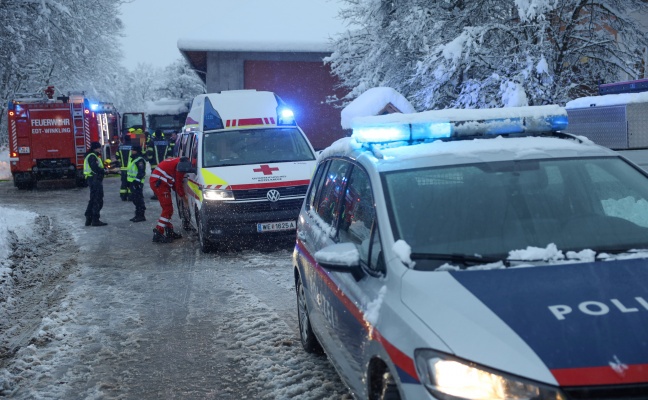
<point>490,209</point>
<point>254,146</point>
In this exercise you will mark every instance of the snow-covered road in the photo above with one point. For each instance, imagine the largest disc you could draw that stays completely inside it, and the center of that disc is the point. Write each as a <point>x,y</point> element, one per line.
<point>103,313</point>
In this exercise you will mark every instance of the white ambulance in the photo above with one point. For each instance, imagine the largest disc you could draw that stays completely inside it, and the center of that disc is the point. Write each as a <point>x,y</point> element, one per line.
<point>248,169</point>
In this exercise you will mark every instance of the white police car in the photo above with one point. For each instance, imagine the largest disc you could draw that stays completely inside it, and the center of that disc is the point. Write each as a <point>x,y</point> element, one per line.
<point>476,254</point>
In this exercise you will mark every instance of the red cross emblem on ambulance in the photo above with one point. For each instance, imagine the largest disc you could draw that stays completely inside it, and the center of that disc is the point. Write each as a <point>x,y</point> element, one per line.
<point>266,169</point>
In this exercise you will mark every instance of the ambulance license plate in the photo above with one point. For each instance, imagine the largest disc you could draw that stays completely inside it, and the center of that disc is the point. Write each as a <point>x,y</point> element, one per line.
<point>276,226</point>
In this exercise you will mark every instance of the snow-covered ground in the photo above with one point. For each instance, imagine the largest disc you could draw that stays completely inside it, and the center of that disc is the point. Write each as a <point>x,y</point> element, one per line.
<point>87,314</point>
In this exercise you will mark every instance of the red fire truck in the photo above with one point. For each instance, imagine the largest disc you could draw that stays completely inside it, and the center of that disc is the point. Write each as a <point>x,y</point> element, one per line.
<point>48,137</point>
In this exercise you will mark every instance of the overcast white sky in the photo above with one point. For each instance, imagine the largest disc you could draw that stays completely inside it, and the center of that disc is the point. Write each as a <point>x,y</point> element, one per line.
<point>152,28</point>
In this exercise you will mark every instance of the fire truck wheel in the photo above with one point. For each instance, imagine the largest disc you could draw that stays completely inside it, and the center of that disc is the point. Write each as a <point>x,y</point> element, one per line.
<point>25,185</point>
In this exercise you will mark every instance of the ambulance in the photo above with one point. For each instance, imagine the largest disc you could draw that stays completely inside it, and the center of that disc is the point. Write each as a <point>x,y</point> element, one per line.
<point>248,167</point>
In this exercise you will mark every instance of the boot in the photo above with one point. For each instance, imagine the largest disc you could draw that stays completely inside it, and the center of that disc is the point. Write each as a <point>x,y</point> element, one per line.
<point>138,218</point>
<point>160,238</point>
<point>154,197</point>
<point>170,233</point>
<point>88,221</point>
<point>98,223</point>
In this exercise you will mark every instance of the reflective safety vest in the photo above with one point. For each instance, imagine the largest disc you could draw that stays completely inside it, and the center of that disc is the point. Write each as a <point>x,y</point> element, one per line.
<point>123,156</point>
<point>87,171</point>
<point>132,170</point>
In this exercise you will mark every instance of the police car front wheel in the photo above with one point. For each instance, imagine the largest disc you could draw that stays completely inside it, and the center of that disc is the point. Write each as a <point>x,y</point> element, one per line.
<point>308,339</point>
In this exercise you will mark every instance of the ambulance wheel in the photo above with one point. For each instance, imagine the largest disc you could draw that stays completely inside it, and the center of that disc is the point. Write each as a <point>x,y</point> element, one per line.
<point>205,244</point>
<point>308,339</point>
<point>184,216</point>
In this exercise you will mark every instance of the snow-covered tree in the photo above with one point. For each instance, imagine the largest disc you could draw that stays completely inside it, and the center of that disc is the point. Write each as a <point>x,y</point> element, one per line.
<point>488,53</point>
<point>70,44</point>
<point>180,81</point>
<point>149,83</point>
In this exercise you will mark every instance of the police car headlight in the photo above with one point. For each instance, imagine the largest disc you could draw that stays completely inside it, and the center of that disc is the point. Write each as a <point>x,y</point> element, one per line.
<point>448,378</point>
<point>217,194</point>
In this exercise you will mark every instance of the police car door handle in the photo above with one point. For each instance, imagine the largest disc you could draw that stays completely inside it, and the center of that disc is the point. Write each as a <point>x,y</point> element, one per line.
<point>302,236</point>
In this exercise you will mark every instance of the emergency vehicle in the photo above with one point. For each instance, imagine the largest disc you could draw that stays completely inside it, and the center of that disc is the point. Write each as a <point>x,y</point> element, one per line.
<point>476,254</point>
<point>168,115</point>
<point>248,167</point>
<point>617,118</point>
<point>48,138</point>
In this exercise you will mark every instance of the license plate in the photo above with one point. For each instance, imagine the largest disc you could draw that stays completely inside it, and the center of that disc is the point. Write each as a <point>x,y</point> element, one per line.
<point>276,226</point>
<point>23,150</point>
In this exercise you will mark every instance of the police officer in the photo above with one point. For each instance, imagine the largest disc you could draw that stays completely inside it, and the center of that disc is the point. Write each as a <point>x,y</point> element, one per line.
<point>93,170</point>
<point>123,156</point>
<point>136,174</point>
<point>157,149</point>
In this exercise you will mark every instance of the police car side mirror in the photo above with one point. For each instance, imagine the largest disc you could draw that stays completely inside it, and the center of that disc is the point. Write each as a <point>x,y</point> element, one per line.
<point>341,257</point>
<point>185,166</point>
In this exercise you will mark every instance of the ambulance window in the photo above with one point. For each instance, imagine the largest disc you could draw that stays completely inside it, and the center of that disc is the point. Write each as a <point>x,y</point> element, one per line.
<point>194,151</point>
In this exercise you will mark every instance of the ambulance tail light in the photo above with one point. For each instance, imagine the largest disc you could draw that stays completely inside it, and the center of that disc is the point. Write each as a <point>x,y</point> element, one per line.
<point>218,194</point>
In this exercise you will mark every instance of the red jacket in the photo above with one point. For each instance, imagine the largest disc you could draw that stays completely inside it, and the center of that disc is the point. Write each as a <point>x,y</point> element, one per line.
<point>167,172</point>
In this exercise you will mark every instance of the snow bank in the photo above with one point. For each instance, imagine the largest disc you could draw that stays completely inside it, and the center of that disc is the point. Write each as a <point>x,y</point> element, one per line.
<point>372,102</point>
<point>16,221</point>
<point>5,172</point>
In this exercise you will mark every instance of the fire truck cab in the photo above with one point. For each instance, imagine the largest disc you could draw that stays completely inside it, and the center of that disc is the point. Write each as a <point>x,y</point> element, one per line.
<point>48,138</point>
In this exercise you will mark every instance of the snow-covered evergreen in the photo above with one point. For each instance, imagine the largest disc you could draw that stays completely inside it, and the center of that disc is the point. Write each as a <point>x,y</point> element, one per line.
<point>488,53</point>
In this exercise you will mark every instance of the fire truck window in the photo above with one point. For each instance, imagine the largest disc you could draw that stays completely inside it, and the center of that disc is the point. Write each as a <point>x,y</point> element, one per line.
<point>357,212</point>
<point>331,193</point>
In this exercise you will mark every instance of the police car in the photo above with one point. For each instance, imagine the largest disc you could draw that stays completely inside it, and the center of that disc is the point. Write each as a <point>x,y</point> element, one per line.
<point>249,167</point>
<point>476,254</point>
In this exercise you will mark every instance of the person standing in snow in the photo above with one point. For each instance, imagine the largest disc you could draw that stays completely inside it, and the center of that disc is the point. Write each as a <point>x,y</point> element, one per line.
<point>123,156</point>
<point>136,174</point>
<point>93,170</point>
<point>163,180</point>
<point>157,149</point>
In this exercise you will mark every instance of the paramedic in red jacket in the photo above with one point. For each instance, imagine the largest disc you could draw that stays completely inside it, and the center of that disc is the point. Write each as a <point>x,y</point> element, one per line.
<point>165,178</point>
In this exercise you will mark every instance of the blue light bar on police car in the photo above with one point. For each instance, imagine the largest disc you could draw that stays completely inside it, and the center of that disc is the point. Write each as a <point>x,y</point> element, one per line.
<point>402,132</point>
<point>461,123</point>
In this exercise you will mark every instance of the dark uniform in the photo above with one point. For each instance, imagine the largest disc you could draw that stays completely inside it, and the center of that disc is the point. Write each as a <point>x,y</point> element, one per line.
<point>123,156</point>
<point>93,170</point>
<point>157,148</point>
<point>136,174</point>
